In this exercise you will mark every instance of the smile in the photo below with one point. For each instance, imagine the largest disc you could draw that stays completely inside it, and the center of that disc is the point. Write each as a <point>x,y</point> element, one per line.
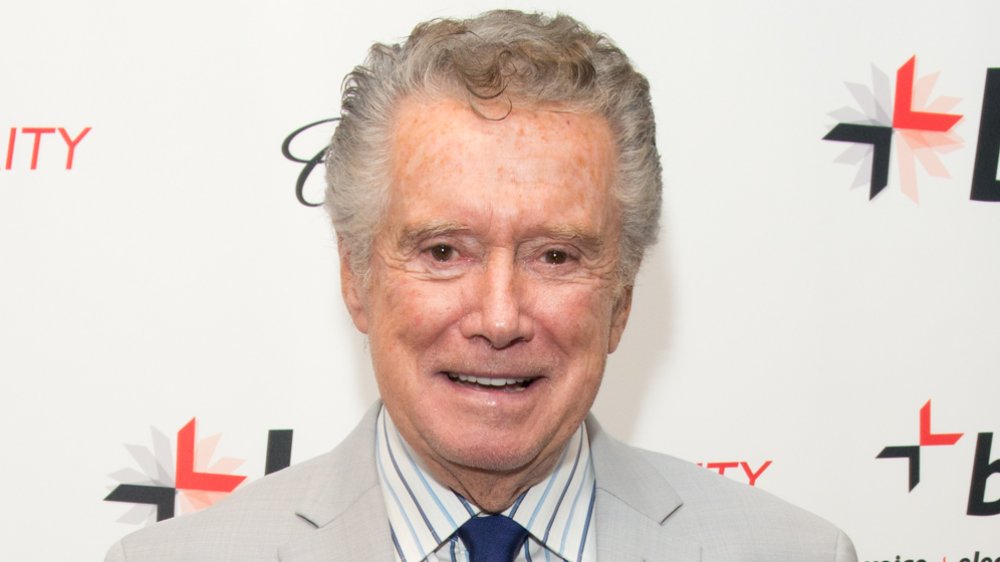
<point>492,383</point>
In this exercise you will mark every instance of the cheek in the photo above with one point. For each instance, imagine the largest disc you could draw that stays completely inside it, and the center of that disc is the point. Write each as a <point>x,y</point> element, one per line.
<point>414,313</point>
<point>578,317</point>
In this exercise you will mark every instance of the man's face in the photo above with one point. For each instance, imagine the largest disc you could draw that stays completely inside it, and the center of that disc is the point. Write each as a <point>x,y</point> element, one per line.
<point>492,302</point>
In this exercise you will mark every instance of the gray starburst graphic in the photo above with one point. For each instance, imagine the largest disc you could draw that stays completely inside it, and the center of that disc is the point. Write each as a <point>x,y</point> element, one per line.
<point>156,468</point>
<point>873,108</point>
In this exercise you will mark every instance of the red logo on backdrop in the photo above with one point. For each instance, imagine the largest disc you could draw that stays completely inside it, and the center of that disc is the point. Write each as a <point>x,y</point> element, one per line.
<point>982,467</point>
<point>53,146</point>
<point>743,469</point>
<point>194,479</point>
<point>922,125</point>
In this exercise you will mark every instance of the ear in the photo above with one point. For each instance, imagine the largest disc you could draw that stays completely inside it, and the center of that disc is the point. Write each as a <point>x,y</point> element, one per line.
<point>619,317</point>
<point>352,287</point>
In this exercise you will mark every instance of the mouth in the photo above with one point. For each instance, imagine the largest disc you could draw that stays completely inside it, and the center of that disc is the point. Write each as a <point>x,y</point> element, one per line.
<point>504,384</point>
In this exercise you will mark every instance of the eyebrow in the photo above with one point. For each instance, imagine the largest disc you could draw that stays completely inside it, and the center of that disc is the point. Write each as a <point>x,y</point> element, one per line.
<point>414,234</point>
<point>575,233</point>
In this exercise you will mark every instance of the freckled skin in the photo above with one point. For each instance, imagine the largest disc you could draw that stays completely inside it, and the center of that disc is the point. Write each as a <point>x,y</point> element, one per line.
<point>497,258</point>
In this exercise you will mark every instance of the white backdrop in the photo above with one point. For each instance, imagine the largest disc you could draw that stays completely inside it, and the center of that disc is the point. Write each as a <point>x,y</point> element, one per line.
<point>171,274</point>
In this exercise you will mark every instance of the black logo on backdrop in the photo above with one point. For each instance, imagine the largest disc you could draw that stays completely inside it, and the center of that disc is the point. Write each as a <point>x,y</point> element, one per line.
<point>164,478</point>
<point>308,164</point>
<point>977,557</point>
<point>982,466</point>
<point>921,132</point>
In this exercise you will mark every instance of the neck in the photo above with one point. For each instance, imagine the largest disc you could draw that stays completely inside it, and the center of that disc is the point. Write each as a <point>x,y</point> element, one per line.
<point>493,492</point>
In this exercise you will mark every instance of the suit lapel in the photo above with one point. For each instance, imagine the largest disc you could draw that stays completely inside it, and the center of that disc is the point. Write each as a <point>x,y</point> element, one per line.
<point>360,533</point>
<point>633,505</point>
<point>345,506</point>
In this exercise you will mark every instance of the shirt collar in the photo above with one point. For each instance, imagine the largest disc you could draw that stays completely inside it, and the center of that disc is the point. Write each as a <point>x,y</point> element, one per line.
<point>424,514</point>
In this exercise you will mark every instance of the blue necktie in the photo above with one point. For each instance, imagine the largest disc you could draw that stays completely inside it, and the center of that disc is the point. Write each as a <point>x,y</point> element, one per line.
<point>494,538</point>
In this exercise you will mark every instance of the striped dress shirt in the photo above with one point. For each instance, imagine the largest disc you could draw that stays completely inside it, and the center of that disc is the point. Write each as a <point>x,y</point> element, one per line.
<point>424,515</point>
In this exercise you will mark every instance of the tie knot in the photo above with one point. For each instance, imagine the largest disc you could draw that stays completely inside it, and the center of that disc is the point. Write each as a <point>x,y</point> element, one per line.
<point>494,538</point>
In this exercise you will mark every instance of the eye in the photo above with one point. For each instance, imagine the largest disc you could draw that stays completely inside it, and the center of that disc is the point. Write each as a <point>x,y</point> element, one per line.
<point>555,257</point>
<point>442,252</point>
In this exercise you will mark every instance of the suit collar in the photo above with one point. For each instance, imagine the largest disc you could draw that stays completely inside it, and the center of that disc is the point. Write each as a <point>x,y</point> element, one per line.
<point>345,504</point>
<point>624,474</point>
<point>349,473</point>
<point>634,504</point>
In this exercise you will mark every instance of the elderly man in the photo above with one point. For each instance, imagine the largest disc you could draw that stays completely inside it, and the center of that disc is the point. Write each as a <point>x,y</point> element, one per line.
<point>494,184</point>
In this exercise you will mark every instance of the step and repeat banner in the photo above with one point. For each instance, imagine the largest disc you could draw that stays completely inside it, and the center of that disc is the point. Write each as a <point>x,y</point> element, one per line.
<point>821,318</point>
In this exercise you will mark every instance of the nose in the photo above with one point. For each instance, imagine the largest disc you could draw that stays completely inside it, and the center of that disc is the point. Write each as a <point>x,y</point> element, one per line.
<point>497,305</point>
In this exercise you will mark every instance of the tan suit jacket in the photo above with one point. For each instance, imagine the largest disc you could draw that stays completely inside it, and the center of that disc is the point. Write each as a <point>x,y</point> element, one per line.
<point>649,507</point>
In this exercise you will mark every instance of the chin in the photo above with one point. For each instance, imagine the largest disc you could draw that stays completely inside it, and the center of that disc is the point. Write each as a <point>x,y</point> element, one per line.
<point>489,457</point>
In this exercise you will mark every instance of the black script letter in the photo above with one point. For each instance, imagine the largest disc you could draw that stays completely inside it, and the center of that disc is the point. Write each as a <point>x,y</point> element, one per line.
<point>985,186</point>
<point>982,469</point>
<point>310,163</point>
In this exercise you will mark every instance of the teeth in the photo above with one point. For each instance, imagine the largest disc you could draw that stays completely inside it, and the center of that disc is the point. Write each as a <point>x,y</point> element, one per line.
<point>488,381</point>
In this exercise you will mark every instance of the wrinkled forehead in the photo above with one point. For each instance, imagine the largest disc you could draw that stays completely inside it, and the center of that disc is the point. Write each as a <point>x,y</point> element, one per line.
<point>422,123</point>
<point>439,139</point>
<point>540,169</point>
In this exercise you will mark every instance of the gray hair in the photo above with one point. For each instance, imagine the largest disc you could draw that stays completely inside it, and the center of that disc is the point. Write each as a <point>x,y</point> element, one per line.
<point>525,58</point>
